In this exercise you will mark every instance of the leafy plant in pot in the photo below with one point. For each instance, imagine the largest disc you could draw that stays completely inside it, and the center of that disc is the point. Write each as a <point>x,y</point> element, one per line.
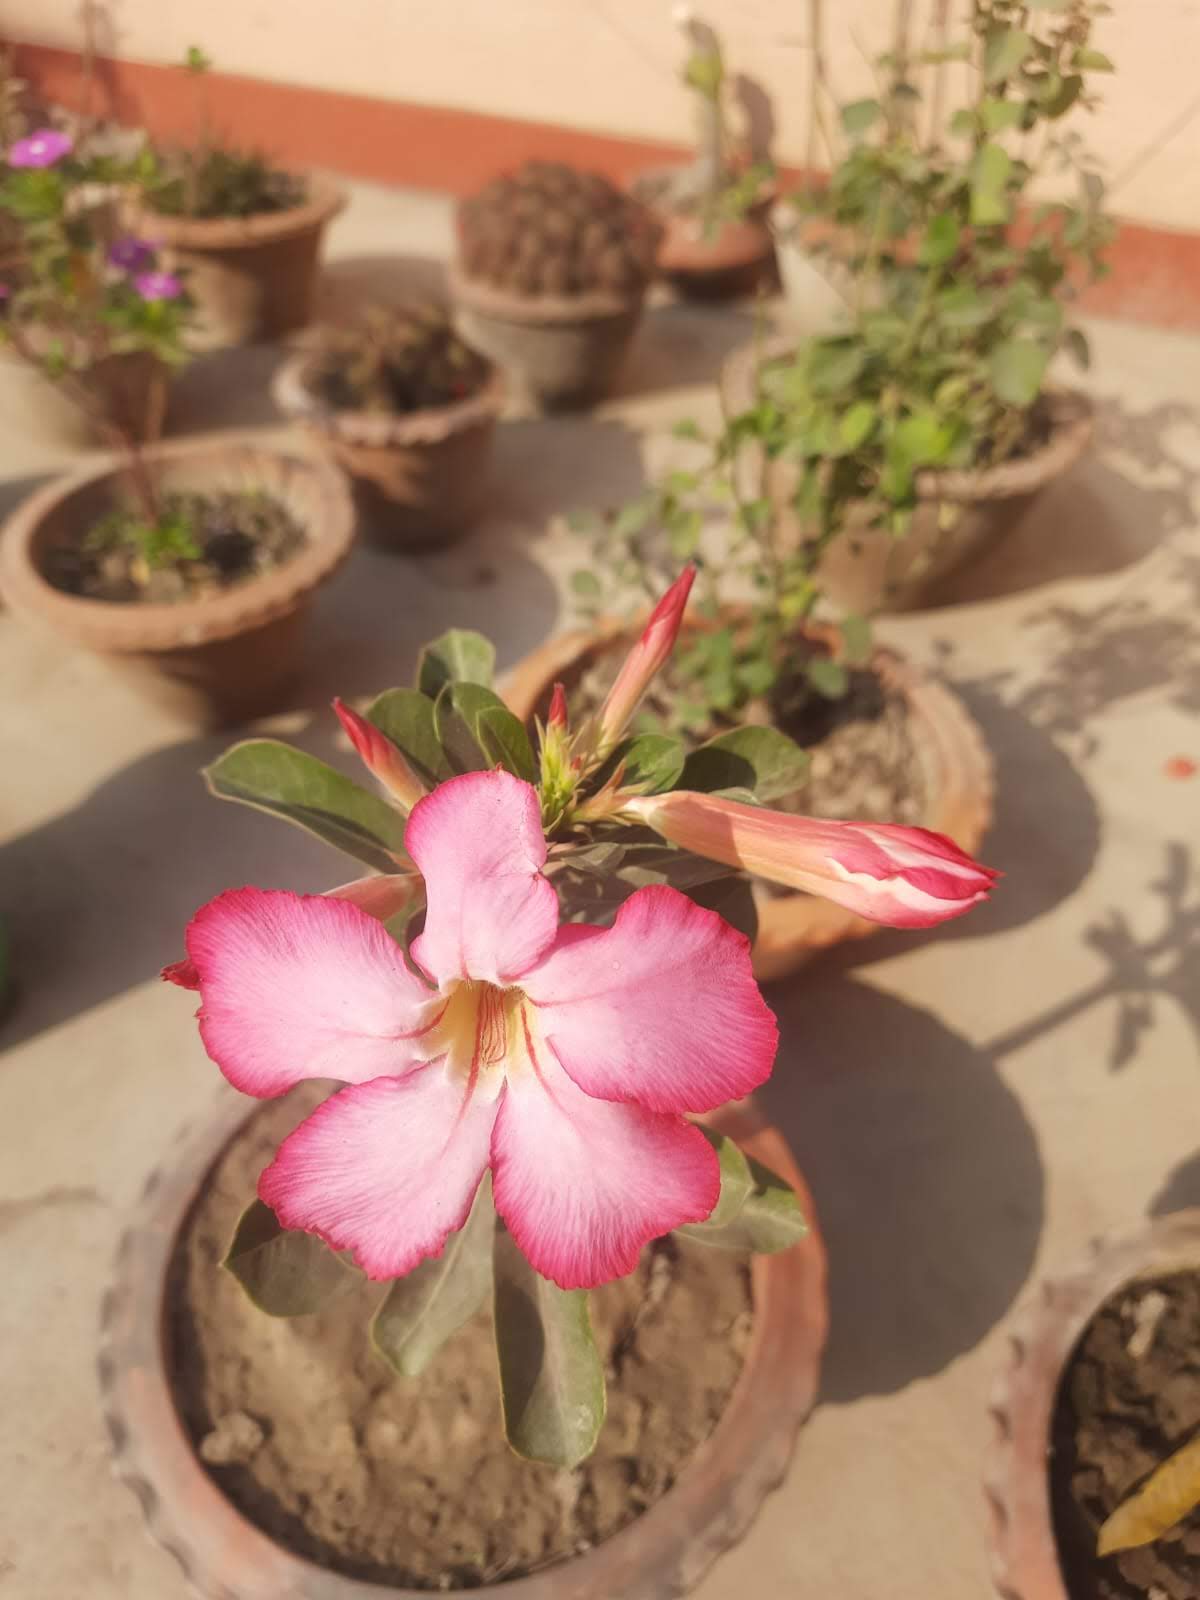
<point>551,272</point>
<point>715,241</point>
<point>926,427</point>
<point>527,1003</point>
<point>189,565</point>
<point>248,233</point>
<point>409,410</point>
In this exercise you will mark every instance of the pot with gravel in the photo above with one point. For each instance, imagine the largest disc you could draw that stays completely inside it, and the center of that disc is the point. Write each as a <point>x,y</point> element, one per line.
<point>551,273</point>
<point>409,410</point>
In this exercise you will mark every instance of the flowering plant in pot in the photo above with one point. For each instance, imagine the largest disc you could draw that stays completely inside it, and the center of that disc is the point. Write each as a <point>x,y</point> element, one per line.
<point>715,241</point>
<point>526,1004</point>
<point>925,427</point>
<point>248,232</point>
<point>409,409</point>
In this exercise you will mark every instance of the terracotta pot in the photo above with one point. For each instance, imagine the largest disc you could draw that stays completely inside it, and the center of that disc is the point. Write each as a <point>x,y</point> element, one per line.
<point>562,349</point>
<point>662,1554</point>
<point>213,660</point>
<point>1021,1539</point>
<point>868,570</point>
<point>421,477</point>
<point>132,387</point>
<point>722,263</point>
<point>251,278</point>
<point>956,765</point>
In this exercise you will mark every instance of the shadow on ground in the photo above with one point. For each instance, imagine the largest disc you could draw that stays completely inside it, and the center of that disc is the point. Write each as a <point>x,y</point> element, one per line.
<point>925,1174</point>
<point>349,284</point>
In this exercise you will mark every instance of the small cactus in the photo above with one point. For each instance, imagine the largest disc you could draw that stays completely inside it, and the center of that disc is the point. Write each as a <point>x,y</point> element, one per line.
<point>397,362</point>
<point>548,229</point>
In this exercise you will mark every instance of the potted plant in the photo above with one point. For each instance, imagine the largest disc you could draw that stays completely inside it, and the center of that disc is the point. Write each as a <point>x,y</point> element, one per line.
<point>247,233</point>
<point>550,277</point>
<point>409,410</point>
<point>1093,1479</point>
<point>715,241</point>
<point>928,424</point>
<point>522,1002</point>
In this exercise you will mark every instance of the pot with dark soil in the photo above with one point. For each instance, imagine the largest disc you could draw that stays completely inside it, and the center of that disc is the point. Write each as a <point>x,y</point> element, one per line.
<point>1101,1394</point>
<point>287,1458</point>
<point>551,273</point>
<point>409,410</point>
<point>191,569</point>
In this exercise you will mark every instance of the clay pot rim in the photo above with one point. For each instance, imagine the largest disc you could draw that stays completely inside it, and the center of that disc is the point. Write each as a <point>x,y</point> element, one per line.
<point>324,201</point>
<point>1072,424</point>
<point>669,1547</point>
<point>543,310</point>
<point>134,628</point>
<point>293,394</point>
<point>958,769</point>
<point>1043,1336</point>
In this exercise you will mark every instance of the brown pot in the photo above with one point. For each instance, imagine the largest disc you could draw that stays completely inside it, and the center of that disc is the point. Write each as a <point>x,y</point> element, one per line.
<point>421,477</point>
<point>562,349</point>
<point>214,660</point>
<point>661,1555</point>
<point>720,263</point>
<point>251,278</point>
<point>868,570</point>
<point>958,771</point>
<point>1021,1538</point>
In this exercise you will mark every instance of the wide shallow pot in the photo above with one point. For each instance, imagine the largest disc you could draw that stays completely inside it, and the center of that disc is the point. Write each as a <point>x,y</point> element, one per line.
<point>719,263</point>
<point>422,477</point>
<point>660,1555</point>
<point>562,349</point>
<point>131,387</point>
<point>1024,1548</point>
<point>956,767</point>
<point>867,570</point>
<point>212,660</point>
<point>251,278</point>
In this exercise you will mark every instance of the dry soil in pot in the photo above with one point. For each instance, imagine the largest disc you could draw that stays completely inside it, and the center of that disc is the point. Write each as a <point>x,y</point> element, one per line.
<point>410,1482</point>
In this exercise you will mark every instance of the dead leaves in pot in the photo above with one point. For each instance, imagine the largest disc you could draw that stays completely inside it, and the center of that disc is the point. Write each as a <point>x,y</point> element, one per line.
<point>1170,1492</point>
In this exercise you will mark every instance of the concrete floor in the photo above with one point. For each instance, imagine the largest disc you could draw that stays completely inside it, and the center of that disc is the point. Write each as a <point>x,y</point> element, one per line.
<point>971,1106</point>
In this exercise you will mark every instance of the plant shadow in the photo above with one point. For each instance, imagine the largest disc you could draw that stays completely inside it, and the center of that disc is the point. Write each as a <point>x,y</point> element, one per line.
<point>926,1179</point>
<point>352,283</point>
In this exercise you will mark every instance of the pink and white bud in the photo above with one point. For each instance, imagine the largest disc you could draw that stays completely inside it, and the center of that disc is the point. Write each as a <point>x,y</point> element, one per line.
<point>381,757</point>
<point>902,877</point>
<point>557,716</point>
<point>648,656</point>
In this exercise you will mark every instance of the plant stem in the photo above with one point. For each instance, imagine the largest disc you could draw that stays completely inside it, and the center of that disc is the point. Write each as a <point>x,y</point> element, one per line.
<point>937,96</point>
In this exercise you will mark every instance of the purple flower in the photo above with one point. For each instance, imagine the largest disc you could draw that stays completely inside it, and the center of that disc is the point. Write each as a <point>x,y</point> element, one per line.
<point>158,286</point>
<point>41,149</point>
<point>130,254</point>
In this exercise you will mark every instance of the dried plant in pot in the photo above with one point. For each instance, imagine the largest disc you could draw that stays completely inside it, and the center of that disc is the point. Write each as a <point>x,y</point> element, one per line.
<point>715,241</point>
<point>1093,1479</point>
<point>551,273</point>
<point>409,410</point>
<point>247,234</point>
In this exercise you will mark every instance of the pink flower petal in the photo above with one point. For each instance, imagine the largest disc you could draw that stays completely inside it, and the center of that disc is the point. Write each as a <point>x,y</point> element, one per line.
<point>381,757</point>
<point>647,658</point>
<point>386,1169</point>
<point>583,1184</point>
<point>183,973</point>
<point>661,1008</point>
<point>478,841</point>
<point>303,986</point>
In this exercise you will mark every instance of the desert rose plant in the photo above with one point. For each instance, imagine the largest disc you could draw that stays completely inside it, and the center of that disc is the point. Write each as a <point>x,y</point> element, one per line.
<point>526,1003</point>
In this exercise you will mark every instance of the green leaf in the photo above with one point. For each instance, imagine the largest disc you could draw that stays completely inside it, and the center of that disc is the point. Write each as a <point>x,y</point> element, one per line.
<point>962,123</point>
<point>922,440</point>
<point>769,1219</point>
<point>503,738</point>
<point>1089,60</point>
<point>1076,345</point>
<point>991,168</point>
<point>1061,96</point>
<point>961,306</point>
<point>477,731</point>
<point>405,716</point>
<point>860,115</point>
<point>551,1377</point>
<point>1003,52</point>
<point>828,677</point>
<point>856,425</point>
<point>291,784</point>
<point>940,240</point>
<point>285,1273</point>
<point>856,640</point>
<point>737,1181</point>
<point>638,514</point>
<point>1048,5</point>
<point>731,898</point>
<point>652,762</point>
<point>686,428</point>
<point>754,757</point>
<point>1017,368</point>
<point>834,364</point>
<point>585,584</point>
<point>458,656</point>
<point>1000,115</point>
<point>433,1301</point>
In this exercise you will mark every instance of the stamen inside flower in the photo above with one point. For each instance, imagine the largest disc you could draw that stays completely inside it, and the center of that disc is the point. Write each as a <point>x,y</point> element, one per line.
<point>479,1033</point>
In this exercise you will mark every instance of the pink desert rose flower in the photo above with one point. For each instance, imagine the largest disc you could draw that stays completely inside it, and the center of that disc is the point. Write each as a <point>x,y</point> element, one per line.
<point>903,877</point>
<point>158,285</point>
<point>563,1058</point>
<point>130,254</point>
<point>40,149</point>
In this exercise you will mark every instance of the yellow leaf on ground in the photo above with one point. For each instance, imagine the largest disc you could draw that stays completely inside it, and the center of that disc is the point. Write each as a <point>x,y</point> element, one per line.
<point>1166,1497</point>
